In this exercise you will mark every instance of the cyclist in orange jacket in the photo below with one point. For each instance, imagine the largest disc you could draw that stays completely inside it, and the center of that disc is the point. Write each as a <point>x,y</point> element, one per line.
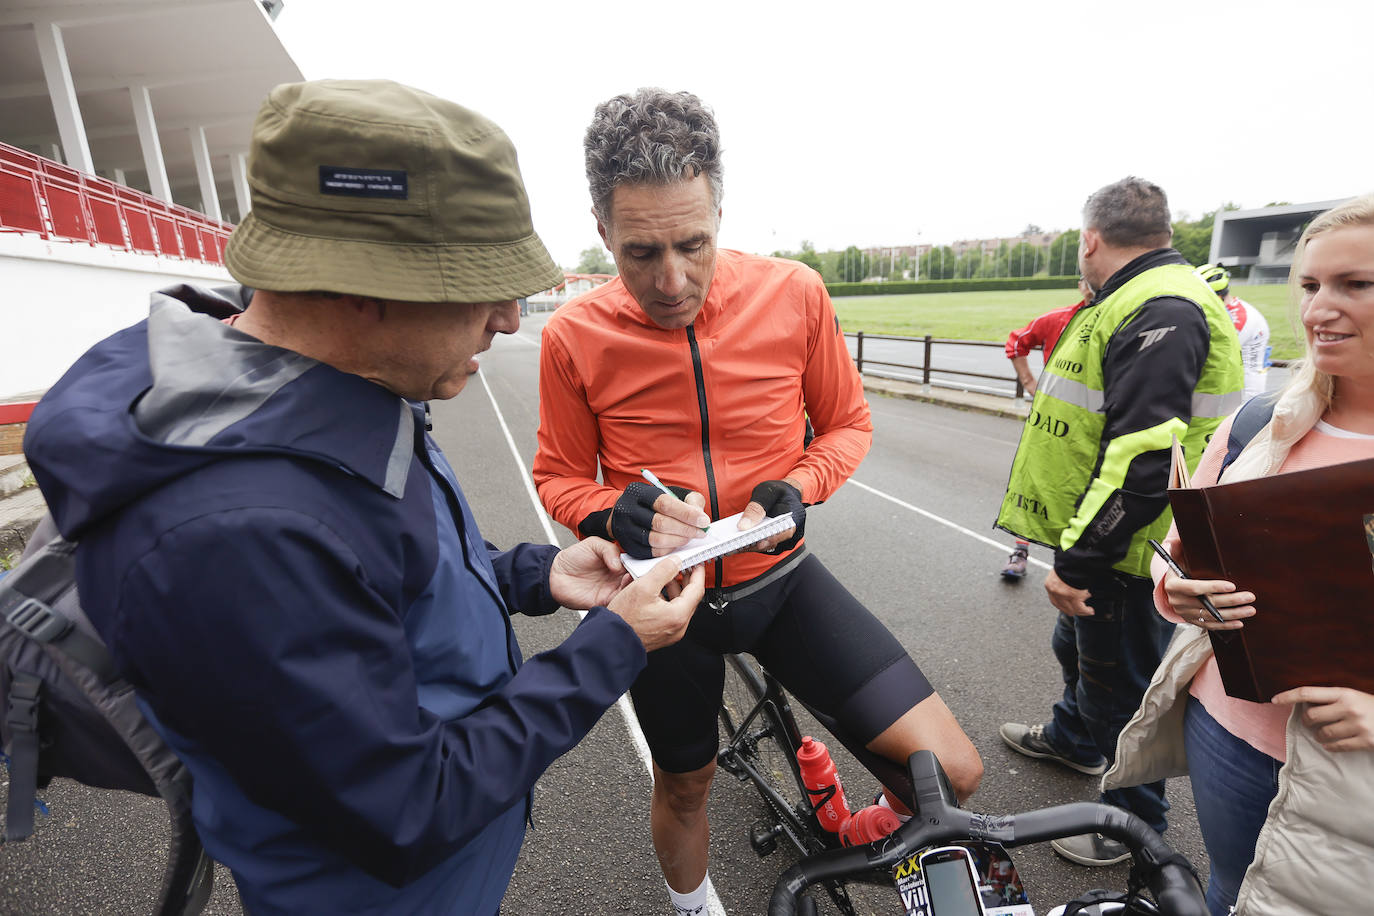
<point>704,365</point>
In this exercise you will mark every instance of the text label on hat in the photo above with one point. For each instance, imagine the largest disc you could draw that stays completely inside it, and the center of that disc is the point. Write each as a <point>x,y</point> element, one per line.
<point>363,182</point>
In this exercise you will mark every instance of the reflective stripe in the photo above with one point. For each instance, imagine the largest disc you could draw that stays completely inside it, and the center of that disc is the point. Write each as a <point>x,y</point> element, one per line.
<point>1216,405</point>
<point>1116,463</point>
<point>1070,392</point>
<point>402,450</point>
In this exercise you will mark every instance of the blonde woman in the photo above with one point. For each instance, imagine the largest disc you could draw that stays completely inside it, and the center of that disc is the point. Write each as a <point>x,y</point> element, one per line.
<point>1285,789</point>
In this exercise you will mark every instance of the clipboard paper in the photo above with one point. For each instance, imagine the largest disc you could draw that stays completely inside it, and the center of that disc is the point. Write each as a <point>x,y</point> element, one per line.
<point>724,537</point>
<point>1303,542</point>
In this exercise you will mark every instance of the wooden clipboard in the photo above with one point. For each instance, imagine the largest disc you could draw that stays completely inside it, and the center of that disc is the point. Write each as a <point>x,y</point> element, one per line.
<point>1303,542</point>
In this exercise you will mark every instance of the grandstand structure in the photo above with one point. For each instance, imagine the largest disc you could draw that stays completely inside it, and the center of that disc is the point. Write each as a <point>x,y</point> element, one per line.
<point>124,129</point>
<point>124,135</point>
<point>1263,240</point>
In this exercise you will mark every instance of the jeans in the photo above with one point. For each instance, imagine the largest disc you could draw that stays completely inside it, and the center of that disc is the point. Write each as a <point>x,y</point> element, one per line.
<point>1233,785</point>
<point>1107,661</point>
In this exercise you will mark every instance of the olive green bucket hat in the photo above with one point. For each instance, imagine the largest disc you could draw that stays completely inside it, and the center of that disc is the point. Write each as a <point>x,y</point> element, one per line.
<point>377,189</point>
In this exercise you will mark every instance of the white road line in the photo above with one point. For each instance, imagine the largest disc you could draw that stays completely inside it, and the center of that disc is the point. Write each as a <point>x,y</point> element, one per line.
<point>713,904</point>
<point>1000,545</point>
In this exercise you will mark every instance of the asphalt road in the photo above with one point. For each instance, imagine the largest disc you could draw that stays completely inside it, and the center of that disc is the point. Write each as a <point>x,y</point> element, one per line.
<point>910,535</point>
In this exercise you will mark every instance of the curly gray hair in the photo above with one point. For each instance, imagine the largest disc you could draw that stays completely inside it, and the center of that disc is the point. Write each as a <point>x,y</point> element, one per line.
<point>651,137</point>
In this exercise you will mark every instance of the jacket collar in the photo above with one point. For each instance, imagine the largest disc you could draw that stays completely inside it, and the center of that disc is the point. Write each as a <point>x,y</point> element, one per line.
<point>1148,261</point>
<point>217,388</point>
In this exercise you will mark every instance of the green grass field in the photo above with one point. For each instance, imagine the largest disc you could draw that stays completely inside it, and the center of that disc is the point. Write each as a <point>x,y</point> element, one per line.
<point>992,315</point>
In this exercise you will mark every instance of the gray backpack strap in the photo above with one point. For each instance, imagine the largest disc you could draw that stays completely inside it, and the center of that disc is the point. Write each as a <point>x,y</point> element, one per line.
<point>21,715</point>
<point>26,604</point>
<point>1252,417</point>
<point>33,595</point>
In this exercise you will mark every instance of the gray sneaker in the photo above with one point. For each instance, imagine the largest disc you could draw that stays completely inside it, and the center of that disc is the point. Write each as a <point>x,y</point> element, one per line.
<point>1015,570</point>
<point>1091,849</point>
<point>1030,740</point>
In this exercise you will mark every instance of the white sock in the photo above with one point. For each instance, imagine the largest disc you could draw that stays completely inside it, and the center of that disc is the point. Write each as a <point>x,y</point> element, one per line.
<point>882,800</point>
<point>692,903</point>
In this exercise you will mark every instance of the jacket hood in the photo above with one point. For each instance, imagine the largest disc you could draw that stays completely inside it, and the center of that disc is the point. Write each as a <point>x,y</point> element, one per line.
<point>182,389</point>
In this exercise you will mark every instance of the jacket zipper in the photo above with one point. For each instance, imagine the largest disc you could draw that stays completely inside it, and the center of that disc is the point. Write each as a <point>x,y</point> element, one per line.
<point>705,439</point>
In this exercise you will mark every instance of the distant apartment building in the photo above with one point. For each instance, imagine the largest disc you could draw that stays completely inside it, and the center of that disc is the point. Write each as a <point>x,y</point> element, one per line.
<point>885,255</point>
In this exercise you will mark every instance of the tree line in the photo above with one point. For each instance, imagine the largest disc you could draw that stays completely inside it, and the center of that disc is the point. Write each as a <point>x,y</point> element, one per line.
<point>1192,238</point>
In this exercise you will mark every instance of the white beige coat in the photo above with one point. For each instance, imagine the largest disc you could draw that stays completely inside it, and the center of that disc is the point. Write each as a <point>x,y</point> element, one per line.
<point>1315,853</point>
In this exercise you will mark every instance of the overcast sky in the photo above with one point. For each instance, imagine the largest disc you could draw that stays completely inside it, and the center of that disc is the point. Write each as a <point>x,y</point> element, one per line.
<point>894,123</point>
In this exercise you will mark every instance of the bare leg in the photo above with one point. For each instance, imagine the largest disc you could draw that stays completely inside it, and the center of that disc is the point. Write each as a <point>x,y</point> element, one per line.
<point>929,725</point>
<point>677,819</point>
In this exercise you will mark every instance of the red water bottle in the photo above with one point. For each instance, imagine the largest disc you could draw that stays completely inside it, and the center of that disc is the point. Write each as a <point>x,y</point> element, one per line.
<point>823,784</point>
<point>869,824</point>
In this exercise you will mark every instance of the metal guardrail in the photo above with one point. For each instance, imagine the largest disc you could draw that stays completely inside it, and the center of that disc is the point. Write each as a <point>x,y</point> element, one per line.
<point>925,368</point>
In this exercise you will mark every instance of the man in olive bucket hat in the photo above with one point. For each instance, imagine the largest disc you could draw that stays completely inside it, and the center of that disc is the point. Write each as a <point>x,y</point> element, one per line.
<point>283,562</point>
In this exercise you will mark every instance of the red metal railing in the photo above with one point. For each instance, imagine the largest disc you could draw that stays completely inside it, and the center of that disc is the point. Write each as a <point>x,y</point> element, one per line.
<point>16,413</point>
<point>41,196</point>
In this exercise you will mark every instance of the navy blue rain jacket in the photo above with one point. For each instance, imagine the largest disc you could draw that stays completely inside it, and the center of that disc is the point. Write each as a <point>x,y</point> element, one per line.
<point>284,566</point>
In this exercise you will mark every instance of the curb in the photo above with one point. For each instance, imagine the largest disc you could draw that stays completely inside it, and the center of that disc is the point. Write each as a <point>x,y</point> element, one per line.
<point>949,397</point>
<point>19,515</point>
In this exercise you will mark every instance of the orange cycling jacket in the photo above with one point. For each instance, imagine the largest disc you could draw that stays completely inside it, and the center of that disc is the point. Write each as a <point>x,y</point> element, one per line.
<point>717,407</point>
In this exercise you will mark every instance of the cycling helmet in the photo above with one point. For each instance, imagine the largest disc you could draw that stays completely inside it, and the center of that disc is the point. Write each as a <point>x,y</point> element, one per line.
<point>1215,276</point>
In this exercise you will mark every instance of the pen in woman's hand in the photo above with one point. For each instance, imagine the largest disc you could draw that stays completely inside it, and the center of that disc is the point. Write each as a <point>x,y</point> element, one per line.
<point>1178,571</point>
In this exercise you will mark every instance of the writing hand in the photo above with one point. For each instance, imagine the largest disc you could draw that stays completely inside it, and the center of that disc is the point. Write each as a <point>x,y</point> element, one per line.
<point>1341,718</point>
<point>649,523</point>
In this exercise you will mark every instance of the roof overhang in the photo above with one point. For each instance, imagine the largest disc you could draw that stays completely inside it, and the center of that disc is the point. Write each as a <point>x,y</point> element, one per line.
<point>206,64</point>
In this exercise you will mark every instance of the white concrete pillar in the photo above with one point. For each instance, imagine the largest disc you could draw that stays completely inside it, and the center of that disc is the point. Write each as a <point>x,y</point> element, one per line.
<point>55,152</point>
<point>62,90</point>
<point>119,177</point>
<point>238,165</point>
<point>151,145</point>
<point>200,151</point>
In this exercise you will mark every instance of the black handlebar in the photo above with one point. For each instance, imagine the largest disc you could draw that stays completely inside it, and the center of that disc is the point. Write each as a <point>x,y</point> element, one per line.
<point>1172,883</point>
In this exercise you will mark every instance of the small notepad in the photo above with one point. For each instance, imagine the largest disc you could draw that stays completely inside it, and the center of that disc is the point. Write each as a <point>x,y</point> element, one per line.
<point>724,537</point>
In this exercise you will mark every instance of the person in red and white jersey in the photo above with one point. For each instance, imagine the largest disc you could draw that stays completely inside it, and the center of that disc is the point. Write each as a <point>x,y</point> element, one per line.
<point>1251,327</point>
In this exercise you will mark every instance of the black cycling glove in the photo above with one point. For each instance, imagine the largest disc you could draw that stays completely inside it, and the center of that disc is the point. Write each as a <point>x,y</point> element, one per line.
<point>777,497</point>
<point>632,518</point>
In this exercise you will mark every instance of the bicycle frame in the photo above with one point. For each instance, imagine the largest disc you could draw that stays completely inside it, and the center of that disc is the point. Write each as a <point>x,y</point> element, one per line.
<point>771,716</point>
<point>769,719</point>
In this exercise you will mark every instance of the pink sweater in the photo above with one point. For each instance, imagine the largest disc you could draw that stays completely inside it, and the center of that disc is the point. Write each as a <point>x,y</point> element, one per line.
<point>1261,725</point>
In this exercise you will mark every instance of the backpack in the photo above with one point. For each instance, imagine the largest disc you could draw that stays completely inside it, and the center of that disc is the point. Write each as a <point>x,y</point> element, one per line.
<point>66,712</point>
<point>1252,417</point>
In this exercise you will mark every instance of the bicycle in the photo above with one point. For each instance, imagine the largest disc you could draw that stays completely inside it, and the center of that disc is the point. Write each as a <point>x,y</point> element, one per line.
<point>760,744</point>
<point>1170,879</point>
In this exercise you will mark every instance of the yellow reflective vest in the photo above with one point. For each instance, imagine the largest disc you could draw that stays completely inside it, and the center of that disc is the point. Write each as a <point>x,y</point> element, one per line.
<point>1072,486</point>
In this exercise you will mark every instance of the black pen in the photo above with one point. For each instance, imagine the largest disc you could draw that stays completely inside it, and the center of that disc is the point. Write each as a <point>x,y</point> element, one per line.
<point>1178,571</point>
